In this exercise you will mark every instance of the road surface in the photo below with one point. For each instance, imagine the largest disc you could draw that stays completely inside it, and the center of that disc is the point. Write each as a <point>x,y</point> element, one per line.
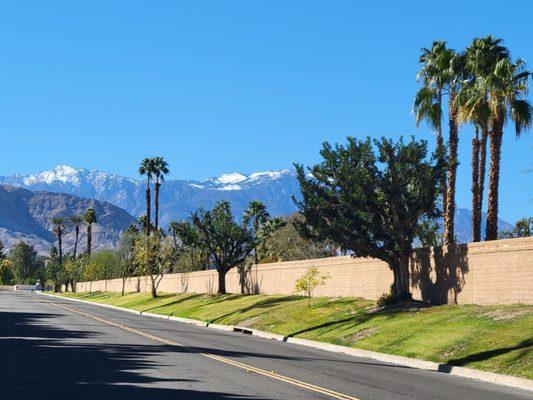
<point>58,349</point>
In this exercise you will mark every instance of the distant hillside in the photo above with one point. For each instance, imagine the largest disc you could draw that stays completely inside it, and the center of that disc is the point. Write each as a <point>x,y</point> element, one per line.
<point>180,197</point>
<point>26,215</point>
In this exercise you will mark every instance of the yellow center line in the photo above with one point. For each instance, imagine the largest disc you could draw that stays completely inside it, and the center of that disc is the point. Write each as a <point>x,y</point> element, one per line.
<point>248,368</point>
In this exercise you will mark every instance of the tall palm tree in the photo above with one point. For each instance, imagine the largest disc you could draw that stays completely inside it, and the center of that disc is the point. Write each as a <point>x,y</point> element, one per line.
<point>147,168</point>
<point>507,87</point>
<point>481,58</point>
<point>160,169</point>
<point>90,219</point>
<point>257,215</point>
<point>441,74</point>
<point>59,228</point>
<point>76,220</point>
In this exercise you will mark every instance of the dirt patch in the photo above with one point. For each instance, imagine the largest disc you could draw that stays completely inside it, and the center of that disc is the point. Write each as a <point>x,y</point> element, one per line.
<point>505,315</point>
<point>362,334</point>
<point>250,322</point>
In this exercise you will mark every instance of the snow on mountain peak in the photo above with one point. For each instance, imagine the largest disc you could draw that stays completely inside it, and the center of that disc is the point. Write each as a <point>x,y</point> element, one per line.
<point>231,178</point>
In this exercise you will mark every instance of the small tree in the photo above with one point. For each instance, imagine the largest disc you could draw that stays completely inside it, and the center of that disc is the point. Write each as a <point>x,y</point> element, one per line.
<point>227,242</point>
<point>125,254</point>
<point>24,258</point>
<point>522,228</point>
<point>152,256</point>
<point>369,203</point>
<point>309,282</point>
<point>6,272</point>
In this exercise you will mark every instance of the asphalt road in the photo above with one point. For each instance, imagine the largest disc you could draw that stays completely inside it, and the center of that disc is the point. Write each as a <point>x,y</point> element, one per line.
<point>57,349</point>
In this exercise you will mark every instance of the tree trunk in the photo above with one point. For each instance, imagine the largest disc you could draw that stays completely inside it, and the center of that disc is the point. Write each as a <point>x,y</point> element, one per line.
<point>400,287</point>
<point>449,214</point>
<point>154,289</point>
<point>60,244</point>
<point>481,184</point>
<point>221,282</point>
<point>442,150</point>
<point>156,203</point>
<point>476,228</point>
<point>73,285</point>
<point>123,286</point>
<point>491,232</point>
<point>89,238</point>
<point>148,208</point>
<point>76,240</point>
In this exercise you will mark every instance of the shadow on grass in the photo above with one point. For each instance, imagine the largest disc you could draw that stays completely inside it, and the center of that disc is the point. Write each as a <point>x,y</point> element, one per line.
<point>172,303</point>
<point>259,305</point>
<point>486,355</point>
<point>389,312</point>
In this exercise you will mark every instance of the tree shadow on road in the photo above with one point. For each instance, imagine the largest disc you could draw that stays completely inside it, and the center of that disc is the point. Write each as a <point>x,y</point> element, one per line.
<point>41,360</point>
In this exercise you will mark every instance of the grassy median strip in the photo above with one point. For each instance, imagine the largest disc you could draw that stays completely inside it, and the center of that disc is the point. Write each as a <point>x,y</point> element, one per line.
<point>490,338</point>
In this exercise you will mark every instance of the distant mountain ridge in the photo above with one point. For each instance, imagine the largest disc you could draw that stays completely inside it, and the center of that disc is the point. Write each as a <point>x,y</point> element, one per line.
<point>27,216</point>
<point>180,197</point>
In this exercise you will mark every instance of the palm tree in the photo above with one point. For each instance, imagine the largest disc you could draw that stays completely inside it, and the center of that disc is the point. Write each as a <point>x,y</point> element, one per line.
<point>146,168</point>
<point>257,215</point>
<point>76,220</point>
<point>90,219</point>
<point>507,86</point>
<point>481,58</point>
<point>442,74</point>
<point>59,228</point>
<point>160,169</point>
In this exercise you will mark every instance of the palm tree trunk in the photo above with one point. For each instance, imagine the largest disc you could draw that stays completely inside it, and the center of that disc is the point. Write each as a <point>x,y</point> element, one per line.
<point>449,214</point>
<point>491,232</point>
<point>148,208</point>
<point>156,203</point>
<point>89,238</point>
<point>441,149</point>
<point>478,206</point>
<point>76,240</point>
<point>60,244</point>
<point>476,237</point>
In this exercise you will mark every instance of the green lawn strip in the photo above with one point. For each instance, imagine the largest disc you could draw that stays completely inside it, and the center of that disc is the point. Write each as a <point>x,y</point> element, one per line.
<point>489,338</point>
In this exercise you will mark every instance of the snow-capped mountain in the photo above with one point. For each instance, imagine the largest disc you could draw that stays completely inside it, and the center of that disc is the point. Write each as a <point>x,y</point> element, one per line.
<point>178,197</point>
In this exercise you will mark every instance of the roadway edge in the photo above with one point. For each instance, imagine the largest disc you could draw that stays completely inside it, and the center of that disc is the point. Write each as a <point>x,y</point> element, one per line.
<point>491,377</point>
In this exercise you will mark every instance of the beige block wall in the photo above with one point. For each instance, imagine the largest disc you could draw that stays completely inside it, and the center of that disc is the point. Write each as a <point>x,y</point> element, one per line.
<point>497,272</point>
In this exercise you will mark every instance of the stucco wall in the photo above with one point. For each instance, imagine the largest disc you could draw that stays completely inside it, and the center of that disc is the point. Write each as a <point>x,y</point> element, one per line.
<point>497,272</point>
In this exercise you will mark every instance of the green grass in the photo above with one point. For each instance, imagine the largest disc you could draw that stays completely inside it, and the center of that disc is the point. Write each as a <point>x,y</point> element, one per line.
<point>489,338</point>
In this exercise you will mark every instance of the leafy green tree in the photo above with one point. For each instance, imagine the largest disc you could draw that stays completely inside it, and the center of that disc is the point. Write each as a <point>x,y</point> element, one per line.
<point>76,221</point>
<point>256,215</point>
<point>286,243</point>
<point>369,203</point>
<point>522,228</point>
<point>74,269</point>
<point>152,256</point>
<point>25,263</point>
<point>160,169</point>
<point>147,168</point>
<point>90,219</point>
<point>442,73</point>
<point>309,282</point>
<point>227,243</point>
<point>105,264</point>
<point>6,272</point>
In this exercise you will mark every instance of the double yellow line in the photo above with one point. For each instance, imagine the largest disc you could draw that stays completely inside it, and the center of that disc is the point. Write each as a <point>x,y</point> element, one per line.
<point>248,368</point>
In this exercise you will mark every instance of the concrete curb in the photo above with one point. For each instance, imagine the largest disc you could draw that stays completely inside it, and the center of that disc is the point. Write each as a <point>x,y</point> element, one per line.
<point>491,377</point>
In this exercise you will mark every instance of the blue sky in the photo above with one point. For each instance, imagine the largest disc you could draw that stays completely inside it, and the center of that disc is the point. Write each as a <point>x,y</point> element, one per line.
<point>221,86</point>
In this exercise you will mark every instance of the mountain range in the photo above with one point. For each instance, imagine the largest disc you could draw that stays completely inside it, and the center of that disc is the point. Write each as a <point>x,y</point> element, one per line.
<point>27,216</point>
<point>65,190</point>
